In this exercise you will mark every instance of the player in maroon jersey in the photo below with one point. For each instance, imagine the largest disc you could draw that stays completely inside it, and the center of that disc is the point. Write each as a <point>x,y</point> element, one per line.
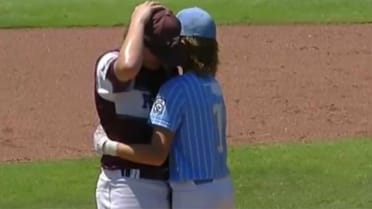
<point>126,82</point>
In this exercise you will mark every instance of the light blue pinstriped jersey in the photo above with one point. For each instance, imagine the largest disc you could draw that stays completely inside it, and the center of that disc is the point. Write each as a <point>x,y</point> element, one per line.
<point>193,108</point>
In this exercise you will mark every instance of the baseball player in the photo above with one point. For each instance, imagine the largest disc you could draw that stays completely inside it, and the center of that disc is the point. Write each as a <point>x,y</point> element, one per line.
<point>189,119</point>
<point>126,82</point>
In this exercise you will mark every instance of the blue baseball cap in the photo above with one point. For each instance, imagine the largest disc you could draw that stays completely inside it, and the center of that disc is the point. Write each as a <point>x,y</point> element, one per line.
<point>197,22</point>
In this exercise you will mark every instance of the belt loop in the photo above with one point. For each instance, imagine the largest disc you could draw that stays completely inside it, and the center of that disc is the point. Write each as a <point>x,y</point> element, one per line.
<point>132,173</point>
<point>125,172</point>
<point>137,174</point>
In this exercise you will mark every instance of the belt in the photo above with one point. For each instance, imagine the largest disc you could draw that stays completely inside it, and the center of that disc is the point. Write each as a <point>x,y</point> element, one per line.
<point>143,174</point>
<point>204,181</point>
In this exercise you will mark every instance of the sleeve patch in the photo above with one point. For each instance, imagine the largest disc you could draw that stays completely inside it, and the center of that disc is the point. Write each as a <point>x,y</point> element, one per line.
<point>159,105</point>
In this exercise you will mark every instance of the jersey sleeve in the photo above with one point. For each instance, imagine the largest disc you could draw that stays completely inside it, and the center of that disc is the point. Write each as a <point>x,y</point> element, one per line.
<point>106,81</point>
<point>168,108</point>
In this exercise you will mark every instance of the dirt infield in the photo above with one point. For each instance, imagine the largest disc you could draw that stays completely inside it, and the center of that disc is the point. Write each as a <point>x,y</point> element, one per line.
<point>282,83</point>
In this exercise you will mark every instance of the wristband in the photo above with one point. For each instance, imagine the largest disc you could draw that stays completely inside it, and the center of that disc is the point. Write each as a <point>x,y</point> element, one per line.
<point>110,148</point>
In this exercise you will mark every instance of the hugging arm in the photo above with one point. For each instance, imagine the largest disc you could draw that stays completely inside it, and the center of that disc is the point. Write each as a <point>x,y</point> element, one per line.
<point>166,115</point>
<point>152,154</point>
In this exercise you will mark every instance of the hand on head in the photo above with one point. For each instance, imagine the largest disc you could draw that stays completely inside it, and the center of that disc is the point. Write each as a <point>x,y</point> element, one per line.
<point>161,31</point>
<point>144,11</point>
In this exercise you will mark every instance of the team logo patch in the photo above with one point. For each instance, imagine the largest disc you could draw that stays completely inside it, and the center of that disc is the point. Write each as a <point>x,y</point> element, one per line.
<point>159,105</point>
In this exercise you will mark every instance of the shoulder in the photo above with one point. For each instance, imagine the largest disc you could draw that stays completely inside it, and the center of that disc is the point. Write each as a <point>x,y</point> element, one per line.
<point>176,83</point>
<point>106,58</point>
<point>104,62</point>
<point>182,80</point>
<point>105,76</point>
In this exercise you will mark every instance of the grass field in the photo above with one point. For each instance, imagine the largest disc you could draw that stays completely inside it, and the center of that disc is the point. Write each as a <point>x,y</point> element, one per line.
<point>298,176</point>
<point>36,13</point>
<point>292,176</point>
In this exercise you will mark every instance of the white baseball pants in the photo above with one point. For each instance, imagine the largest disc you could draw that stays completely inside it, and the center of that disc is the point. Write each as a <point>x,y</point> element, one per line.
<point>218,194</point>
<point>117,192</point>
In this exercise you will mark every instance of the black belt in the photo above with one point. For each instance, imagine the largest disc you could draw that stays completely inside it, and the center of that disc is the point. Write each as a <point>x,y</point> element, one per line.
<point>143,174</point>
<point>204,181</point>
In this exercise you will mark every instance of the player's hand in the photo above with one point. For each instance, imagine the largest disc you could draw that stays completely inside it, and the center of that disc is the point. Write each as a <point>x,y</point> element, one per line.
<point>99,139</point>
<point>144,11</point>
<point>102,144</point>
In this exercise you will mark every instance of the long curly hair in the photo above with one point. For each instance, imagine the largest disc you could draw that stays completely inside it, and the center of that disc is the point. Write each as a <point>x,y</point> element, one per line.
<point>201,55</point>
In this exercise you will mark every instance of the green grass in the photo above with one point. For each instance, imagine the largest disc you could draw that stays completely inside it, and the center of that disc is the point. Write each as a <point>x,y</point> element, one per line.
<point>299,176</point>
<point>38,13</point>
<point>48,185</point>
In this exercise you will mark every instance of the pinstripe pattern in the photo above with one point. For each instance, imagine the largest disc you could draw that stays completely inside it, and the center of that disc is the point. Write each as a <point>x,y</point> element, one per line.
<point>193,108</point>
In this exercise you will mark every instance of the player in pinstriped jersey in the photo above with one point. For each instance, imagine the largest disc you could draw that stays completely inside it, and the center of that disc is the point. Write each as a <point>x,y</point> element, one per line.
<point>192,107</point>
<point>189,119</point>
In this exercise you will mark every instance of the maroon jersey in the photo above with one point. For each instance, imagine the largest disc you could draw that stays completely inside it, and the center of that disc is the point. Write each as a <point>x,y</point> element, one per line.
<point>123,109</point>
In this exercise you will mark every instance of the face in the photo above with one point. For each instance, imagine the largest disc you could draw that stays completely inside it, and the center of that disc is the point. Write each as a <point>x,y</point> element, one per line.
<point>150,61</point>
